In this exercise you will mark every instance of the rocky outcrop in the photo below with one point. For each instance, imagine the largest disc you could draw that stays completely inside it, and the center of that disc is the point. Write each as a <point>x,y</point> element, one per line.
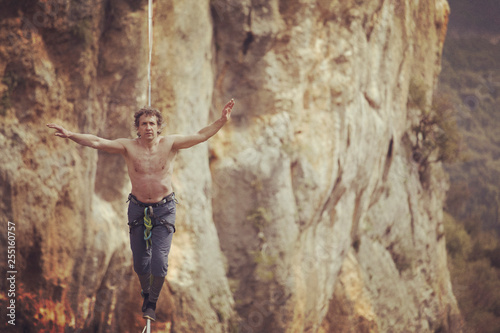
<point>320,151</point>
<point>307,213</point>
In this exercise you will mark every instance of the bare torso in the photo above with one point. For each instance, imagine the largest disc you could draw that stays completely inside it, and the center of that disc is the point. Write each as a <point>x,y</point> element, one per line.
<point>150,168</point>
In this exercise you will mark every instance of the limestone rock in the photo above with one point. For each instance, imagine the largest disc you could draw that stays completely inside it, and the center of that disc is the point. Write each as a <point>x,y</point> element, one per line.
<point>306,213</point>
<point>321,157</point>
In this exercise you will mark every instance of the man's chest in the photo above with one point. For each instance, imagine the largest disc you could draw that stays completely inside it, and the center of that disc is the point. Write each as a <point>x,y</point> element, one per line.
<point>145,162</point>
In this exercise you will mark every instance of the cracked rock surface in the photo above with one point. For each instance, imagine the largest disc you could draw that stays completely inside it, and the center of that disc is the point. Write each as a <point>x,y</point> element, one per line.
<point>306,213</point>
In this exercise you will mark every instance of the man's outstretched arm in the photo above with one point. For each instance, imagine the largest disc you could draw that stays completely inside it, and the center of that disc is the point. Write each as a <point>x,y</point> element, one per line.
<point>89,140</point>
<point>187,141</point>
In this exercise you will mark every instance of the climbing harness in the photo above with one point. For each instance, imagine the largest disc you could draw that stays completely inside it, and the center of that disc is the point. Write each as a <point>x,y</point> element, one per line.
<point>162,202</point>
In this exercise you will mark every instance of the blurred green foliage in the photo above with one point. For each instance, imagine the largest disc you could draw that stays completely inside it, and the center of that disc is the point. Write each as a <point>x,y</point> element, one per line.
<point>82,31</point>
<point>437,132</point>
<point>11,80</point>
<point>470,79</point>
<point>474,90</point>
<point>474,276</point>
<point>479,15</point>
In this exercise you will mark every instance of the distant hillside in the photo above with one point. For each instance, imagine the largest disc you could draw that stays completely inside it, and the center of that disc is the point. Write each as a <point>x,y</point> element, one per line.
<point>470,78</point>
<point>479,15</point>
<point>471,81</point>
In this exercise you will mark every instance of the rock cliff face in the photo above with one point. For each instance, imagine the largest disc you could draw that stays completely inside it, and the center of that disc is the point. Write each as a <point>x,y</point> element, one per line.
<point>306,213</point>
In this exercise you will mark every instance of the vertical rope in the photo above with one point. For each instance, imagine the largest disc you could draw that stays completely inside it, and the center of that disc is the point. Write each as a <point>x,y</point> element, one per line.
<point>150,35</point>
<point>147,328</point>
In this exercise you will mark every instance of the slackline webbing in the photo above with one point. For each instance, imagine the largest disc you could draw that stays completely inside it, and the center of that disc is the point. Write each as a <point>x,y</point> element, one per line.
<point>147,328</point>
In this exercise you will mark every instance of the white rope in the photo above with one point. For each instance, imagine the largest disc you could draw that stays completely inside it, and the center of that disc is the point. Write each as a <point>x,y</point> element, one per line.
<point>147,328</point>
<point>150,33</point>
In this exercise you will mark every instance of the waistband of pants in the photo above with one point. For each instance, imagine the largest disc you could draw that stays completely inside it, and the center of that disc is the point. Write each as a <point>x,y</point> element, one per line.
<point>162,202</point>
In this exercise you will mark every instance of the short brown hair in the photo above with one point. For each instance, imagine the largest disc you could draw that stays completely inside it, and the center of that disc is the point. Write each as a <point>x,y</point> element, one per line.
<point>149,111</point>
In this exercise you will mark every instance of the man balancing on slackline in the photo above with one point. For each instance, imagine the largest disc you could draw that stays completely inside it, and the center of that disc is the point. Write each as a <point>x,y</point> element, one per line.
<point>151,211</point>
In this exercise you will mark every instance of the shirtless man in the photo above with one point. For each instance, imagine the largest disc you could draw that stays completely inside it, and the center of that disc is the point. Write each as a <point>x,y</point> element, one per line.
<point>151,212</point>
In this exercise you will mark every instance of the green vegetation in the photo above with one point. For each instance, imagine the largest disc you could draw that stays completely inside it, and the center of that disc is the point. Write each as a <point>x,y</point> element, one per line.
<point>82,31</point>
<point>5,103</point>
<point>266,264</point>
<point>473,264</point>
<point>437,132</point>
<point>417,94</point>
<point>438,137</point>
<point>475,93</point>
<point>259,217</point>
<point>479,15</point>
<point>12,81</point>
<point>471,82</point>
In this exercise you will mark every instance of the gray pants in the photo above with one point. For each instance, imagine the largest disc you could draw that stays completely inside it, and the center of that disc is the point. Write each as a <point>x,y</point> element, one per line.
<point>152,260</point>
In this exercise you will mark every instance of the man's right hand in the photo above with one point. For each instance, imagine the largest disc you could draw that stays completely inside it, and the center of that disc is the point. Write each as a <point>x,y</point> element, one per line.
<point>60,131</point>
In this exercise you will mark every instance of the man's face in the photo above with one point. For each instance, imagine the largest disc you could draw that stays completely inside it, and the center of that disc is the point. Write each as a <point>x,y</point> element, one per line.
<point>148,127</point>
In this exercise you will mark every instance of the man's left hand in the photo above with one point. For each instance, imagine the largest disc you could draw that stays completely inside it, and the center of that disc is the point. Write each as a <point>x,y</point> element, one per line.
<point>226,112</point>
